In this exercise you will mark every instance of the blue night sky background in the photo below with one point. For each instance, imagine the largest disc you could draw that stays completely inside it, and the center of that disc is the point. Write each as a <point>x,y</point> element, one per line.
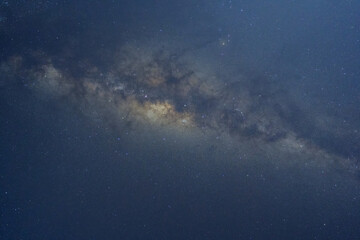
<point>179,119</point>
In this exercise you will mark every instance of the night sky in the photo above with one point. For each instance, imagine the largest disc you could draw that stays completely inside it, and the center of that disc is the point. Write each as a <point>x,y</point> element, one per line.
<point>179,119</point>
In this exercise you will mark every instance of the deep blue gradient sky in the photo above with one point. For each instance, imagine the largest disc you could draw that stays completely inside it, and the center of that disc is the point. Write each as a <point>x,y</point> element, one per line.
<point>179,119</point>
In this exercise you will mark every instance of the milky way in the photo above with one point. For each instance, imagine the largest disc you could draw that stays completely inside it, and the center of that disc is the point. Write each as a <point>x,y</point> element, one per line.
<point>172,86</point>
